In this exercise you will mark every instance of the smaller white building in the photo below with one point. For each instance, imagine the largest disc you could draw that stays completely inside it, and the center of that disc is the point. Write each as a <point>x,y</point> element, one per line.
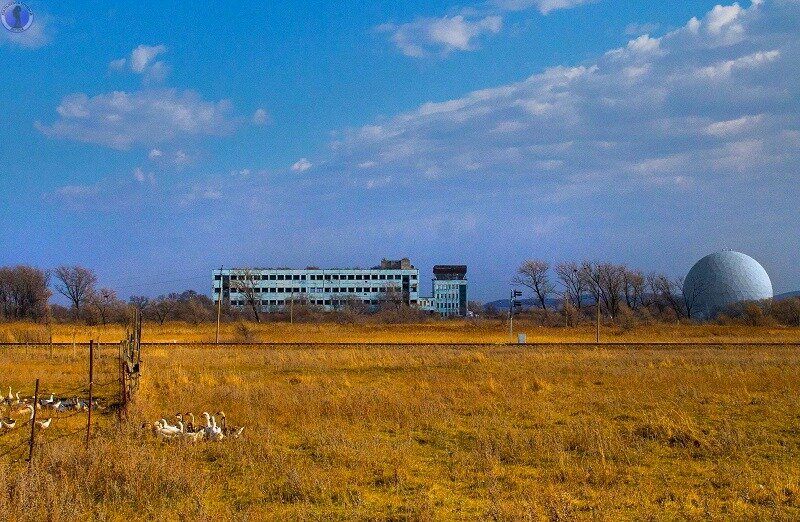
<point>450,290</point>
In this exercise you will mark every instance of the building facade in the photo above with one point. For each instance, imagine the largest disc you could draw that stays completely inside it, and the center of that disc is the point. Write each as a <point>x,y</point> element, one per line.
<point>450,290</point>
<point>275,288</point>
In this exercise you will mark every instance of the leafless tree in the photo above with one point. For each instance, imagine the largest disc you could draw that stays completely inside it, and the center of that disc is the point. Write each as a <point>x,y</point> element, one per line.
<point>23,293</point>
<point>163,306</point>
<point>569,276</point>
<point>76,283</point>
<point>534,274</point>
<point>247,284</point>
<point>667,291</point>
<point>590,275</point>
<point>391,298</point>
<point>611,286</point>
<point>634,288</point>
<point>691,296</point>
<point>103,302</point>
<point>140,302</point>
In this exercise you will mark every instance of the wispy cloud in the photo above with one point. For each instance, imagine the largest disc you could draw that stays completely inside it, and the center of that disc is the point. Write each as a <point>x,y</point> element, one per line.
<point>260,117</point>
<point>142,60</point>
<point>301,165</point>
<point>121,119</point>
<point>624,116</point>
<point>440,36</point>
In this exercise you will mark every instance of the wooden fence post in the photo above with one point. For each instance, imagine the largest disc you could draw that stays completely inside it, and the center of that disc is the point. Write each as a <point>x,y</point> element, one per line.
<point>33,422</point>
<point>91,385</point>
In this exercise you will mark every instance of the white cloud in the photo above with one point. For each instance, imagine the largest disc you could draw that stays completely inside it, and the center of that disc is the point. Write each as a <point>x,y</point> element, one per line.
<point>260,117</point>
<point>635,29</point>
<point>544,6</point>
<point>141,176</point>
<point>301,165</point>
<point>440,36</point>
<point>735,126</point>
<point>367,164</point>
<point>142,61</point>
<point>722,16</point>
<point>181,158</point>
<point>121,119</point>
<point>143,55</point>
<point>641,116</point>
<point>724,68</point>
<point>378,182</point>
<point>155,153</point>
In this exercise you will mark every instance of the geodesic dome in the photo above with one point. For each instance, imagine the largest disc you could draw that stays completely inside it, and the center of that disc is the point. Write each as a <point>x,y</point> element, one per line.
<point>722,279</point>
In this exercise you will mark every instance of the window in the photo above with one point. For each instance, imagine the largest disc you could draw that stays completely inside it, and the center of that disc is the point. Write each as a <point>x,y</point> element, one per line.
<point>280,277</point>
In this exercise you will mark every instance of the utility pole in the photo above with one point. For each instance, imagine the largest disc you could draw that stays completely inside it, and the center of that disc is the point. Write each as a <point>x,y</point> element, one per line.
<point>291,308</point>
<point>597,332</point>
<point>512,303</point>
<point>219,303</point>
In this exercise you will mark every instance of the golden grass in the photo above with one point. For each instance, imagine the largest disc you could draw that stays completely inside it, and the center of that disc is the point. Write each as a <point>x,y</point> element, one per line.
<point>426,433</point>
<point>455,331</point>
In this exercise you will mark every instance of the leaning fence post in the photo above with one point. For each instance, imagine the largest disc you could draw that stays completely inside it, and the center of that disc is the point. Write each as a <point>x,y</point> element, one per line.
<point>91,382</point>
<point>33,422</point>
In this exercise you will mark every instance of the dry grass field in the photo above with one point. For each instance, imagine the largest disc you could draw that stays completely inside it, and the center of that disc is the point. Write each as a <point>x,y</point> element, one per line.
<point>451,331</point>
<point>422,432</point>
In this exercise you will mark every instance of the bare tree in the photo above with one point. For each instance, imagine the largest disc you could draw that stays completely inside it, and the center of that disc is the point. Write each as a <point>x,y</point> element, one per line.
<point>23,293</point>
<point>163,306</point>
<point>534,274</point>
<point>103,302</point>
<point>391,298</point>
<point>590,275</point>
<point>667,291</point>
<point>247,284</point>
<point>569,276</point>
<point>140,302</point>
<point>76,284</point>
<point>611,286</point>
<point>634,288</point>
<point>691,296</point>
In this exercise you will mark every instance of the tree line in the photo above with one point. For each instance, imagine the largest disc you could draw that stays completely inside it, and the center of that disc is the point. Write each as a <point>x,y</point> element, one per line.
<point>576,289</point>
<point>25,292</point>
<point>566,292</point>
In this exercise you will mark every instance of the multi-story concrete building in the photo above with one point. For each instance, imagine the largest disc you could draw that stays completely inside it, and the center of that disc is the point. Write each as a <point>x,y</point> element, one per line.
<point>450,290</point>
<point>273,288</point>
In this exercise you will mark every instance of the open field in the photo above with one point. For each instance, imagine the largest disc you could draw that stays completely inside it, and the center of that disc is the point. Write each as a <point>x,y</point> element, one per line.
<point>423,433</point>
<point>448,331</point>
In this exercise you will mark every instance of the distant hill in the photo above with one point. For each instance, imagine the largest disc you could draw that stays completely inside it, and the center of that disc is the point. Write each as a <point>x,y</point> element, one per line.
<point>527,304</point>
<point>787,295</point>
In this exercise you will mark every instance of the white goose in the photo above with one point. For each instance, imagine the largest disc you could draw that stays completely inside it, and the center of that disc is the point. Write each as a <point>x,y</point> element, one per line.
<point>8,424</point>
<point>44,424</point>
<point>212,431</point>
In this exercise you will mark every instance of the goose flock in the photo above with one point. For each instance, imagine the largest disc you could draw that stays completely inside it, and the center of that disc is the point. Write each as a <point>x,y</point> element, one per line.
<point>187,430</point>
<point>17,406</point>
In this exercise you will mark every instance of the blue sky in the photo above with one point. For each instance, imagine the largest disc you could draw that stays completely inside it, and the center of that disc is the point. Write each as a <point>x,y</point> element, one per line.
<point>153,141</point>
